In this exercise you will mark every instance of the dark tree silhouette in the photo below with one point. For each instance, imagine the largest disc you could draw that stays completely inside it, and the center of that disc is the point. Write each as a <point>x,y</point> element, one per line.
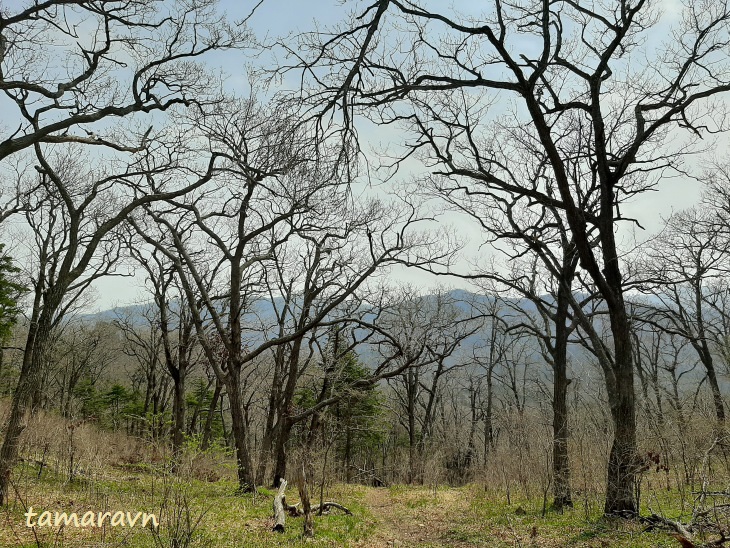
<point>480,92</point>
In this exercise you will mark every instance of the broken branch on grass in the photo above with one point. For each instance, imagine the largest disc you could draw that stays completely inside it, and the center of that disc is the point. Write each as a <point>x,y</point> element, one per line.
<point>281,508</point>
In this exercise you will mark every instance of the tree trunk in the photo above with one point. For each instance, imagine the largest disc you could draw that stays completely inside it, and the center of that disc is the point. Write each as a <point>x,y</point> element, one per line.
<point>226,433</point>
<point>620,483</point>
<point>561,463</point>
<point>30,373</point>
<point>411,387</point>
<point>15,426</point>
<point>280,465</point>
<point>471,448</point>
<point>620,496</point>
<point>348,451</point>
<point>716,394</point>
<point>246,482</point>
<point>264,454</point>
<point>306,504</point>
<point>488,423</point>
<point>279,512</point>
<point>285,426</point>
<point>267,442</point>
<point>208,428</point>
<point>178,413</point>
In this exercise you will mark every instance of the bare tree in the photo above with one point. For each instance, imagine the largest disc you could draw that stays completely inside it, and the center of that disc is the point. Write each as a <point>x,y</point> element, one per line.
<point>273,191</point>
<point>140,58</point>
<point>429,329</point>
<point>687,263</point>
<point>542,275</point>
<point>308,273</point>
<point>661,365</point>
<point>176,331</point>
<point>131,57</point>
<point>82,352</point>
<point>74,220</point>
<point>560,63</point>
<point>488,356</point>
<point>545,283</point>
<point>142,341</point>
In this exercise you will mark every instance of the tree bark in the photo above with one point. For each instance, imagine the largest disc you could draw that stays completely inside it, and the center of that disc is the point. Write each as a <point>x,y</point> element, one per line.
<point>178,413</point>
<point>30,373</point>
<point>272,412</point>
<point>285,425</point>
<point>208,427</point>
<point>306,504</point>
<point>246,481</point>
<point>561,463</point>
<point>284,431</point>
<point>620,496</point>
<point>717,400</point>
<point>279,513</point>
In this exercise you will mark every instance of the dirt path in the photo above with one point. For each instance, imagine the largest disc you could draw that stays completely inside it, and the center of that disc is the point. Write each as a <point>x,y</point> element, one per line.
<point>416,517</point>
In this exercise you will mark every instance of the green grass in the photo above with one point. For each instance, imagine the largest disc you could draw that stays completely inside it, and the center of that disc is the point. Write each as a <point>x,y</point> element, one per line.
<point>213,512</point>
<point>411,516</point>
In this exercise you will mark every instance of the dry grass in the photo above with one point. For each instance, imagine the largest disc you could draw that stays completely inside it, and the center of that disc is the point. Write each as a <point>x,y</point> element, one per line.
<point>395,516</point>
<point>503,507</point>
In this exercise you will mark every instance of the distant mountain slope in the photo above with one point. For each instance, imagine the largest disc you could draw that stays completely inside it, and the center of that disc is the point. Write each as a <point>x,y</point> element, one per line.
<point>468,302</point>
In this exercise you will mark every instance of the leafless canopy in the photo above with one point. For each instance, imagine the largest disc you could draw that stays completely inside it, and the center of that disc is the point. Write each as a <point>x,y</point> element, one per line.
<point>564,108</point>
<point>68,63</point>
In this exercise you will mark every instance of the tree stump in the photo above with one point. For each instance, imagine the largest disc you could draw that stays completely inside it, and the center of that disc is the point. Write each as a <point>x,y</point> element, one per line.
<point>306,505</point>
<point>279,508</point>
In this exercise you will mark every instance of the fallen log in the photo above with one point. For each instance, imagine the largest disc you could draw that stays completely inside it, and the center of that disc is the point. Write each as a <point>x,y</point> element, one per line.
<point>327,505</point>
<point>655,521</point>
<point>291,509</point>
<point>279,508</point>
<point>684,533</point>
<point>282,508</point>
<point>295,511</point>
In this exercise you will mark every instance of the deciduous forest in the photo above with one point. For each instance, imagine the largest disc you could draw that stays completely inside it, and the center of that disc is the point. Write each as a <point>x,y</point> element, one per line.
<point>396,273</point>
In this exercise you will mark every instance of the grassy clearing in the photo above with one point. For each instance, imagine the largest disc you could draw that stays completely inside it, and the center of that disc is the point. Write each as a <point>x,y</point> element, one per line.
<point>473,516</point>
<point>190,513</point>
<point>198,513</point>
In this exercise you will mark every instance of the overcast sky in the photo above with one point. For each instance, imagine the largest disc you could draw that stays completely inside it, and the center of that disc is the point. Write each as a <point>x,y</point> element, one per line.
<point>273,18</point>
<point>281,17</point>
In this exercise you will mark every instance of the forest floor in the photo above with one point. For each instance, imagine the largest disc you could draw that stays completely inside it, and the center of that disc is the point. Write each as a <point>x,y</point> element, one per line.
<point>208,512</point>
